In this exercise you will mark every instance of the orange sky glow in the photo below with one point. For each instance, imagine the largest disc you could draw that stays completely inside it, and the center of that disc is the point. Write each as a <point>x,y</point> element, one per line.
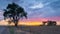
<point>32,21</point>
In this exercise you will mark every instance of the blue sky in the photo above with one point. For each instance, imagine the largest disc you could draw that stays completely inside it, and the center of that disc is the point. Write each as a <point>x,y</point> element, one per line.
<point>35,8</point>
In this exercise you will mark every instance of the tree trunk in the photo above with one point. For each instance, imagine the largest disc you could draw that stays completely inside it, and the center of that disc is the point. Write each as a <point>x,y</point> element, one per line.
<point>16,24</point>
<point>15,21</point>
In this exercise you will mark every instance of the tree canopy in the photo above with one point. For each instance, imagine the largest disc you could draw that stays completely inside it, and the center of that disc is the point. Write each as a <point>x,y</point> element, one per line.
<point>14,11</point>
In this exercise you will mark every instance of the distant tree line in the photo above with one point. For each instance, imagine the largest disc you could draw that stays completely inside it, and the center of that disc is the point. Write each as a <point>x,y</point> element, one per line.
<point>49,23</point>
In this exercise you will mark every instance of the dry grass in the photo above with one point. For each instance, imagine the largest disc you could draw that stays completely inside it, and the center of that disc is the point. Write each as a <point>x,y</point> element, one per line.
<point>36,29</point>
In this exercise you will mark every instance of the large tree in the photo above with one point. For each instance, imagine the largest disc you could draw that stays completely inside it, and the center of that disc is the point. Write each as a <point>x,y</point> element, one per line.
<point>14,12</point>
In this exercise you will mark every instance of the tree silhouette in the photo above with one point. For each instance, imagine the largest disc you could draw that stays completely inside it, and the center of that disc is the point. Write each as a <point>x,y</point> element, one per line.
<point>14,11</point>
<point>52,23</point>
<point>44,22</point>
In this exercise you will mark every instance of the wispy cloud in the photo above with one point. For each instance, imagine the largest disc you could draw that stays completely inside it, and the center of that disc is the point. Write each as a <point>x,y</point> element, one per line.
<point>39,5</point>
<point>1,14</point>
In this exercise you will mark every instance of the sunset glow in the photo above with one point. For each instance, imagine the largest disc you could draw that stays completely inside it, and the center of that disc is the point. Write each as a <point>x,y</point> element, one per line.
<point>31,21</point>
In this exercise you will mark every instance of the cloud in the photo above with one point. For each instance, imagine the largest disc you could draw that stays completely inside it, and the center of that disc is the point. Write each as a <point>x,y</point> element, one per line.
<point>44,12</point>
<point>35,6</point>
<point>41,4</point>
<point>1,14</point>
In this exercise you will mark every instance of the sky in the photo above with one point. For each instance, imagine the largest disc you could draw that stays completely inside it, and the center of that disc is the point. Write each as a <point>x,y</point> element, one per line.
<point>36,8</point>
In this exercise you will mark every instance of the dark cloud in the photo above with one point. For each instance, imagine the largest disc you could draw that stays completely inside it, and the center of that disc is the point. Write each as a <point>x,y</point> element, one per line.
<point>56,6</point>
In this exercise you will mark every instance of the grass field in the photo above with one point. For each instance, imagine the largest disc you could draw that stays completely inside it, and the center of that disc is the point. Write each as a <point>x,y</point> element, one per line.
<point>34,29</point>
